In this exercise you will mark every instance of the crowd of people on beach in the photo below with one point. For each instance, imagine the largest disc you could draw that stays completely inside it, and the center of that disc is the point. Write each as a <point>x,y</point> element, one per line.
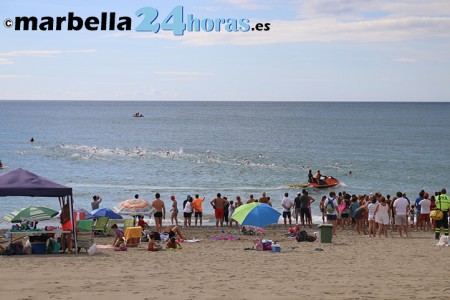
<point>371,214</point>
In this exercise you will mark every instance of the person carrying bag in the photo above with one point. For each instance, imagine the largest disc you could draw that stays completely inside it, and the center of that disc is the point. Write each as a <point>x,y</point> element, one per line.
<point>441,214</point>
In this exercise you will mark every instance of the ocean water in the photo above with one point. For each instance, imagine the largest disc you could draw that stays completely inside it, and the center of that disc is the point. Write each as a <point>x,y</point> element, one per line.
<point>235,148</point>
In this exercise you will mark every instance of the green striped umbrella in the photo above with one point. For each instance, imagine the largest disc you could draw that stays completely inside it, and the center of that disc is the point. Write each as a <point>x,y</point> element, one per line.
<point>31,213</point>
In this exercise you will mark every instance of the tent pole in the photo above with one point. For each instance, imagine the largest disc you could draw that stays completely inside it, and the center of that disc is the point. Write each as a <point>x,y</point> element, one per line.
<point>73,222</point>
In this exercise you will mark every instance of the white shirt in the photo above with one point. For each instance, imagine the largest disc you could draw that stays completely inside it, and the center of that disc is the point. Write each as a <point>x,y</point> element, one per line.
<point>371,208</point>
<point>425,206</point>
<point>402,206</point>
<point>288,203</point>
<point>335,203</point>
<point>188,207</point>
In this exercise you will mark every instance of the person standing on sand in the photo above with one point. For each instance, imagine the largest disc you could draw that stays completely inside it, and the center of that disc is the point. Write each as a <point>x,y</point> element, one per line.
<point>218,203</point>
<point>160,212</point>
<point>238,202</point>
<point>331,205</point>
<point>287,204</point>
<point>401,207</point>
<point>264,199</point>
<point>443,203</point>
<point>418,209</point>
<point>198,209</point>
<point>174,210</point>
<point>309,216</point>
<point>425,213</point>
<point>226,211</point>
<point>187,212</point>
<point>304,208</point>
<point>95,204</point>
<point>382,215</point>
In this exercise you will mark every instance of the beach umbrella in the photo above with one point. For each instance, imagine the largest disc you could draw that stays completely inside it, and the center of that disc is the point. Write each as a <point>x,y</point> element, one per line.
<point>256,214</point>
<point>134,207</point>
<point>31,213</point>
<point>105,212</point>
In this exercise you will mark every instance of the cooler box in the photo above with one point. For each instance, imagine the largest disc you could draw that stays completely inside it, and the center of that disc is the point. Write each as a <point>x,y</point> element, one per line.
<point>325,233</point>
<point>133,236</point>
<point>38,248</point>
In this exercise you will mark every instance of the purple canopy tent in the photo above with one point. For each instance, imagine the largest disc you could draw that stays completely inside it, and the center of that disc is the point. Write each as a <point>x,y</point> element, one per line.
<point>20,182</point>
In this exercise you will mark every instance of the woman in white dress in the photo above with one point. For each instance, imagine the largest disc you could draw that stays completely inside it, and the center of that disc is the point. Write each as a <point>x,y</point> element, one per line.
<point>381,214</point>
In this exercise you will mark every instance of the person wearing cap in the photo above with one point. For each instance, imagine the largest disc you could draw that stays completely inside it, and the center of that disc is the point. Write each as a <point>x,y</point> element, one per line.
<point>425,209</point>
<point>174,210</point>
<point>198,209</point>
<point>443,203</point>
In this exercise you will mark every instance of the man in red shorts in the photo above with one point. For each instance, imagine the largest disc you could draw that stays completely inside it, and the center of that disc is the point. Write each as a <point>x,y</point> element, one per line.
<point>218,204</point>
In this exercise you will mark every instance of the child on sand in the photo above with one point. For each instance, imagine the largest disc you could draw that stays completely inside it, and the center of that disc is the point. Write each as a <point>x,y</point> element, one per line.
<point>153,244</point>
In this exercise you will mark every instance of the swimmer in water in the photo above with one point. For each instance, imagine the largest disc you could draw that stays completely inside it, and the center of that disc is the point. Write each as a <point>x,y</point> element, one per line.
<point>32,140</point>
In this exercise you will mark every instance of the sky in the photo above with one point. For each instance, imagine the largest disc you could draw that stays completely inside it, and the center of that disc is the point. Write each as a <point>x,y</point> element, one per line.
<point>316,50</point>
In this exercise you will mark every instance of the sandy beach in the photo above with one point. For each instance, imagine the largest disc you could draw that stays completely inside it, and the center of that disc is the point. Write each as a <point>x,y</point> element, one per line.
<point>351,267</point>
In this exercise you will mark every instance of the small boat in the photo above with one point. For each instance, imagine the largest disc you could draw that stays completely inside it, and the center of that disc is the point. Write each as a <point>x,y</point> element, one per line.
<point>326,182</point>
<point>138,115</point>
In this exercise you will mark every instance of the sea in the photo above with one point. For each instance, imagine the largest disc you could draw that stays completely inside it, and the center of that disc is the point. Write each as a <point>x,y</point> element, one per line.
<point>232,148</point>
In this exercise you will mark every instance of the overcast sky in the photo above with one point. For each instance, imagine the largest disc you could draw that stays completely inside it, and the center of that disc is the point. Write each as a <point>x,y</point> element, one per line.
<point>321,50</point>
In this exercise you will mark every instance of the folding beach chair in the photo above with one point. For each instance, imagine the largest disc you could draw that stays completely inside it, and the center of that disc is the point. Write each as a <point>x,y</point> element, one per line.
<point>109,230</point>
<point>85,235</point>
<point>100,226</point>
<point>127,223</point>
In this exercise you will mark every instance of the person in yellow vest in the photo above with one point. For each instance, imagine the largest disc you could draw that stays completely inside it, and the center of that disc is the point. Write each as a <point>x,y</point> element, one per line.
<point>443,203</point>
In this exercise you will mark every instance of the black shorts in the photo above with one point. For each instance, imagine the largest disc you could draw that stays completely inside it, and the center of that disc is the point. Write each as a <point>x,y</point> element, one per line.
<point>198,214</point>
<point>304,211</point>
<point>344,216</point>
<point>331,217</point>
<point>286,214</point>
<point>158,214</point>
<point>187,215</point>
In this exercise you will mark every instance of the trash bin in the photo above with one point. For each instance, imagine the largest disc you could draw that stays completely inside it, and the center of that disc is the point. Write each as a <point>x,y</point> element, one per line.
<point>325,233</point>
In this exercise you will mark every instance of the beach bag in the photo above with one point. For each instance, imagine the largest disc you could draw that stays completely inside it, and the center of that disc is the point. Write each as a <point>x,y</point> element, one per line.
<point>92,249</point>
<point>436,214</point>
<point>302,236</point>
<point>330,206</point>
<point>267,246</point>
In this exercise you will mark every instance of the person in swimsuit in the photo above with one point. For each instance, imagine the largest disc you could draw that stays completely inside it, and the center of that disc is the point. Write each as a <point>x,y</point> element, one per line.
<point>172,231</point>
<point>160,212</point>
<point>119,239</point>
<point>153,244</point>
<point>219,203</point>
<point>173,244</point>
<point>174,210</point>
